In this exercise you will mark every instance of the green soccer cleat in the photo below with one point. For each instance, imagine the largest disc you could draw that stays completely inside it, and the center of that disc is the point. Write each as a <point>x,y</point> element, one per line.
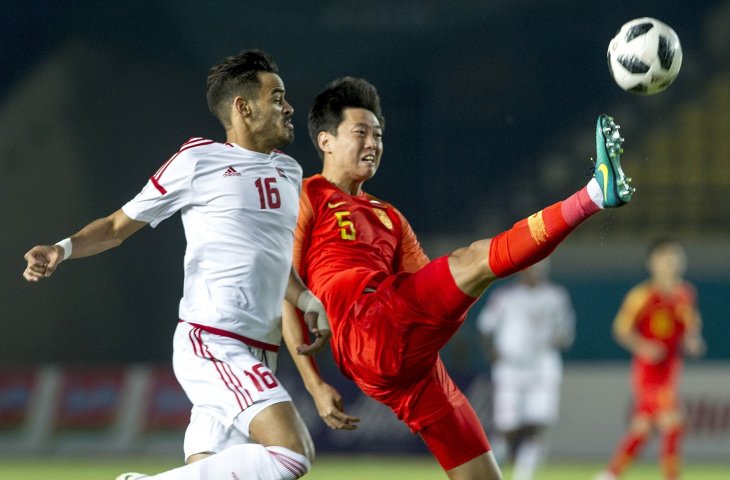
<point>607,170</point>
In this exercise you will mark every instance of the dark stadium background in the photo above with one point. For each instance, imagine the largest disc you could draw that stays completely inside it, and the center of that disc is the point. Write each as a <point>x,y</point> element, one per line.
<point>490,110</point>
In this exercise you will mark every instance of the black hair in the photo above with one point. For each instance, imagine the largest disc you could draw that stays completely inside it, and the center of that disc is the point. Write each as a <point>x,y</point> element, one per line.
<point>347,92</point>
<point>236,75</point>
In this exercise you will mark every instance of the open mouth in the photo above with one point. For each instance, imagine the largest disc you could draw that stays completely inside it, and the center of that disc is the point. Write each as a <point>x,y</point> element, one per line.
<point>369,159</point>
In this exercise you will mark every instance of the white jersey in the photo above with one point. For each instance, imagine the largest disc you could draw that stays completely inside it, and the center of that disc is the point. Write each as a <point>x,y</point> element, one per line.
<point>526,322</point>
<point>239,209</point>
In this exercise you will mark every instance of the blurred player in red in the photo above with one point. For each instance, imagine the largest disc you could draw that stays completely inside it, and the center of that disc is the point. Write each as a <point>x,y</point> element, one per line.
<point>657,321</point>
<point>391,309</point>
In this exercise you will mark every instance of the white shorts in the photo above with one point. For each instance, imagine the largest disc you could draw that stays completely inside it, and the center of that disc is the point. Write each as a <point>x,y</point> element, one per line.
<point>524,398</point>
<point>228,383</point>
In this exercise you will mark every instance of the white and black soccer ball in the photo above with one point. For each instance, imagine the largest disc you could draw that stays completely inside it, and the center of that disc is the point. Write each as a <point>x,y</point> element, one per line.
<point>645,56</point>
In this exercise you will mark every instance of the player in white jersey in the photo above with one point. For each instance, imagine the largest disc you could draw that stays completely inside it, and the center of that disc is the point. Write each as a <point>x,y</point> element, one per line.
<point>525,324</point>
<point>239,202</point>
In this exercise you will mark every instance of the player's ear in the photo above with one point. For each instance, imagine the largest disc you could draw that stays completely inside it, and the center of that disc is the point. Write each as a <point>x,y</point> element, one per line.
<point>323,140</point>
<point>241,107</point>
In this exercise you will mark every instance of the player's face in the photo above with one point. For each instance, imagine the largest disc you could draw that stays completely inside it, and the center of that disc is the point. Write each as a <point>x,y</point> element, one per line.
<point>356,150</point>
<point>667,262</point>
<point>271,114</point>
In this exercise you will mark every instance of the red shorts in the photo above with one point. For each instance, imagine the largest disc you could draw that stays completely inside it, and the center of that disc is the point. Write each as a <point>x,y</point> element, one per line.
<point>391,341</point>
<point>456,438</point>
<point>656,387</point>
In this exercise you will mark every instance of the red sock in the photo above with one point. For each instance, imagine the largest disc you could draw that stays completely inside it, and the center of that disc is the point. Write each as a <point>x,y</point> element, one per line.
<point>627,450</point>
<point>534,238</point>
<point>671,443</point>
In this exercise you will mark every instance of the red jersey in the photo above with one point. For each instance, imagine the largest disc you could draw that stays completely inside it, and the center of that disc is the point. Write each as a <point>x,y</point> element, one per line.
<point>660,316</point>
<point>346,243</point>
<point>390,309</point>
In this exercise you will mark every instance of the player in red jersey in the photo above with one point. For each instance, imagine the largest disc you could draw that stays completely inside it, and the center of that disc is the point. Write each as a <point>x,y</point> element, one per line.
<point>657,321</point>
<point>391,310</point>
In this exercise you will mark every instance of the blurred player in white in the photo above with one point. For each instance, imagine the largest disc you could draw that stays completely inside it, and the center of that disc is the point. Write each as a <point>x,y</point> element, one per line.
<point>525,325</point>
<point>239,202</point>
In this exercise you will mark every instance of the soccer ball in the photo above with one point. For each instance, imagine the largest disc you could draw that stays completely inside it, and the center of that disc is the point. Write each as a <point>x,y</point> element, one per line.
<point>644,57</point>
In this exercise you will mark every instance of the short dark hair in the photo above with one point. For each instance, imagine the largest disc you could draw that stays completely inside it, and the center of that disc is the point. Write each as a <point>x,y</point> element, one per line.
<point>347,92</point>
<point>662,242</point>
<point>236,75</point>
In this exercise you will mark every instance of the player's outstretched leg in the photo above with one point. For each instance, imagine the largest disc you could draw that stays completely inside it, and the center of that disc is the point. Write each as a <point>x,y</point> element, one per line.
<point>615,186</point>
<point>535,237</point>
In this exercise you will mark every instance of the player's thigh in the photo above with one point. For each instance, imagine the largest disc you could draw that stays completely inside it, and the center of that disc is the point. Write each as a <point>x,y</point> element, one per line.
<point>542,403</point>
<point>207,434</point>
<point>457,438</point>
<point>507,404</point>
<point>229,385</point>
<point>280,424</point>
<point>414,316</point>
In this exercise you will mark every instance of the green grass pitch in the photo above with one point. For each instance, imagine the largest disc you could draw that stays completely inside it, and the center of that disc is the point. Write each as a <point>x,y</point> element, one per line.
<point>326,468</point>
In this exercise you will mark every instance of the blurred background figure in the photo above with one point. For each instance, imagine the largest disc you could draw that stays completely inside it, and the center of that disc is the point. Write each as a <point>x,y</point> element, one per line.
<point>525,325</point>
<point>656,323</point>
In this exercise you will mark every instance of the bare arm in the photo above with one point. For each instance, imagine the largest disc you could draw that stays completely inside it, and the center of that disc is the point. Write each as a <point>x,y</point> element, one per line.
<point>693,344</point>
<point>96,237</point>
<point>326,398</point>
<point>315,315</point>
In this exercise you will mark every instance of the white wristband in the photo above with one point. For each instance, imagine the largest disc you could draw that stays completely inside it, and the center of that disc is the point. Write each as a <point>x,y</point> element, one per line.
<point>307,302</point>
<point>67,247</point>
<point>303,300</point>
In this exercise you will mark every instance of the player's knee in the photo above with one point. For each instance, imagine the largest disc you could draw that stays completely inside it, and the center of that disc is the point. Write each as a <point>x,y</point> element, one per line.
<point>302,444</point>
<point>470,267</point>
<point>308,448</point>
<point>289,465</point>
<point>196,457</point>
<point>641,425</point>
<point>291,433</point>
<point>671,420</point>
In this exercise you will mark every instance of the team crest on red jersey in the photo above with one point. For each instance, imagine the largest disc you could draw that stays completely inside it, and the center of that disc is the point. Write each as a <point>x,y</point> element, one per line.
<point>384,218</point>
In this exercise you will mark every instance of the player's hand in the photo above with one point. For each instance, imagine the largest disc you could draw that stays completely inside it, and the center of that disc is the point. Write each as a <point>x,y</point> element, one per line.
<point>694,346</point>
<point>330,408</point>
<point>317,322</point>
<point>651,351</point>
<point>42,261</point>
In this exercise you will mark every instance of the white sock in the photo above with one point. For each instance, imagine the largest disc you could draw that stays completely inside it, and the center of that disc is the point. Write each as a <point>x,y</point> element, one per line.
<point>243,462</point>
<point>529,456</point>
<point>595,192</point>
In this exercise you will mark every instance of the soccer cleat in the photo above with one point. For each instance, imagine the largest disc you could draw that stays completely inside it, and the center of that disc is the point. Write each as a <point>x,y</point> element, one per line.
<point>131,476</point>
<point>607,171</point>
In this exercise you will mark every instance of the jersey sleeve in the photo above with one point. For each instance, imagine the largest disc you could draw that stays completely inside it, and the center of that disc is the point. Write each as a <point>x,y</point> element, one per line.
<point>411,256</point>
<point>628,313</point>
<point>166,192</point>
<point>301,232</point>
